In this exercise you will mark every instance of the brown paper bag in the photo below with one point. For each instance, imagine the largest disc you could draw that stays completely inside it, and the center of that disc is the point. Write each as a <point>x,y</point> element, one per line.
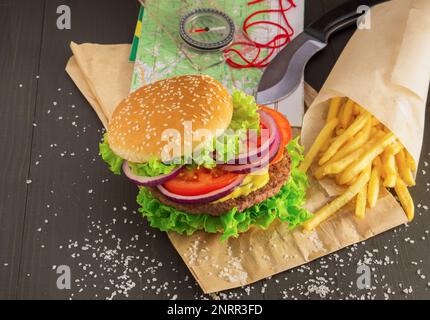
<point>258,254</point>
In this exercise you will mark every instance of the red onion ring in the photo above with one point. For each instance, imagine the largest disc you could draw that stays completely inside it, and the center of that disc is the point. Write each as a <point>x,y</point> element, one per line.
<point>204,198</point>
<point>149,181</point>
<point>252,167</point>
<point>270,124</point>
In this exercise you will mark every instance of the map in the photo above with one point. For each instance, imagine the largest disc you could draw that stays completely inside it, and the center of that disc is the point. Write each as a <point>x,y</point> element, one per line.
<point>161,52</point>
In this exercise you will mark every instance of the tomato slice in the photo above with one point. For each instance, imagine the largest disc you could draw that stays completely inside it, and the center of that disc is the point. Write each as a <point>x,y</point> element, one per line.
<point>284,130</point>
<point>198,181</point>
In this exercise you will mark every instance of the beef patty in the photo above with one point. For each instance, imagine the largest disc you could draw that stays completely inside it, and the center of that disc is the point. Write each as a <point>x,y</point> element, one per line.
<point>279,174</point>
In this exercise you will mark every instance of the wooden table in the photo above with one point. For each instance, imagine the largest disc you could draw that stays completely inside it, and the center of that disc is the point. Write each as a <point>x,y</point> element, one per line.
<point>59,204</point>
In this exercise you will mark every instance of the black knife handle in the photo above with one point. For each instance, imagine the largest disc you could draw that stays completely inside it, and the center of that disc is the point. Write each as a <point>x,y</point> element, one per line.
<point>339,18</point>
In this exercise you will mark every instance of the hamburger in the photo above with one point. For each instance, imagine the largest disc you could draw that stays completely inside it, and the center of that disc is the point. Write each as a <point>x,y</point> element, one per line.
<point>205,159</point>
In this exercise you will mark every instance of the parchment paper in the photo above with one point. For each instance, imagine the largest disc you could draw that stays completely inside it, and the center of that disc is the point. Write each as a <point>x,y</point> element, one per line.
<point>258,254</point>
<point>104,76</point>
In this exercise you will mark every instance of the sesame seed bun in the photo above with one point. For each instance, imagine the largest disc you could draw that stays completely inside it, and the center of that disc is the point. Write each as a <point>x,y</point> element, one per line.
<point>136,131</point>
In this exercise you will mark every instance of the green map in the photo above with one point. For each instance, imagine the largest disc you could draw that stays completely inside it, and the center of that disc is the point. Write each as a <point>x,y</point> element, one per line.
<point>162,54</point>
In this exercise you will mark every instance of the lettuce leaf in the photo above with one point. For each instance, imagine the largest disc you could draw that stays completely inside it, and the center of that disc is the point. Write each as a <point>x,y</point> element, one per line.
<point>285,206</point>
<point>245,115</point>
<point>152,168</point>
<point>114,161</point>
<point>204,158</point>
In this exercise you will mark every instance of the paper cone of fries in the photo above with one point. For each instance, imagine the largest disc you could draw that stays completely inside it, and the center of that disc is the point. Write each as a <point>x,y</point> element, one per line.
<point>386,70</point>
<point>365,128</point>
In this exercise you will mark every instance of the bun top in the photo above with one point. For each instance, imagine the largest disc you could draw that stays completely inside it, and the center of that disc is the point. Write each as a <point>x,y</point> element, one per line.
<point>136,131</point>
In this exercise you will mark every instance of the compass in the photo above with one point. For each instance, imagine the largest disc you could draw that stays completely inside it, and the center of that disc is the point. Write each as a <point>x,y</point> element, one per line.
<point>207,29</point>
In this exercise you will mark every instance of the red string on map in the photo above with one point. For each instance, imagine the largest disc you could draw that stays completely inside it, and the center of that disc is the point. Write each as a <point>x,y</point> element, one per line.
<point>278,41</point>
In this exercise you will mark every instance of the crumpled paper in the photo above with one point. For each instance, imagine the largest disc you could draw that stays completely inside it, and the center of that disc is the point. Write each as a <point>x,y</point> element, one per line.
<point>258,254</point>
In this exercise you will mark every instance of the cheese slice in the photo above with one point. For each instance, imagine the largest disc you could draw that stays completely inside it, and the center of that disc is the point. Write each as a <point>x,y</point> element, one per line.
<point>251,183</point>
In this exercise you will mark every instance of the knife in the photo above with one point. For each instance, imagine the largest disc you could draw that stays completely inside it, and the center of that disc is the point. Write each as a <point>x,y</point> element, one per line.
<point>284,75</point>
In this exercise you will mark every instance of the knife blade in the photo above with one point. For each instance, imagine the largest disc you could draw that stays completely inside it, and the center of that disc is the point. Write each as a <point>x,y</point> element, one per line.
<point>285,72</point>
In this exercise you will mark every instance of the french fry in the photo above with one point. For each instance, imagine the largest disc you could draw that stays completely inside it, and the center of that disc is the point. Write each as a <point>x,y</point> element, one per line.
<point>358,141</point>
<point>323,136</point>
<point>333,111</point>
<point>366,159</point>
<point>375,122</point>
<point>340,131</point>
<point>335,167</point>
<point>350,183</point>
<point>356,126</point>
<point>380,126</point>
<point>405,198</point>
<point>338,166</point>
<point>410,161</point>
<point>346,114</point>
<point>374,183</point>
<point>337,179</point>
<point>332,207</point>
<point>377,162</point>
<point>334,108</point>
<point>388,169</point>
<point>395,147</point>
<point>319,173</point>
<point>375,131</point>
<point>360,205</point>
<point>357,109</point>
<point>404,170</point>
<point>327,144</point>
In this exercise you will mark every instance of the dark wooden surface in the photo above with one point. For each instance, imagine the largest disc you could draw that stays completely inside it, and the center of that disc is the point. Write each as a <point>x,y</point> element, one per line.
<point>59,205</point>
